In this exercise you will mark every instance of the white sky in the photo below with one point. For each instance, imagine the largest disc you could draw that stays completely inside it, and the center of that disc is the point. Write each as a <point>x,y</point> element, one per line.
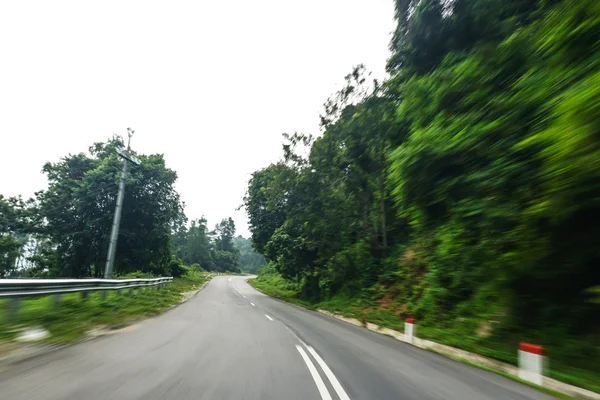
<point>210,84</point>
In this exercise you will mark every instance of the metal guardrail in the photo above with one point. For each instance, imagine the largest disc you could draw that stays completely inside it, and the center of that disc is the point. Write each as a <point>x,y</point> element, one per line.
<point>14,288</point>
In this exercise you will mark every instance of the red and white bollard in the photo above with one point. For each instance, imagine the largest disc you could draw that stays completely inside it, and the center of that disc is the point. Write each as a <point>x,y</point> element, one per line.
<point>531,362</point>
<point>409,330</point>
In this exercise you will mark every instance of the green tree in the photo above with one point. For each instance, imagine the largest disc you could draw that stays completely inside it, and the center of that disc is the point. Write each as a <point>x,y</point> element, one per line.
<point>78,206</point>
<point>10,246</point>
<point>250,261</point>
<point>225,255</point>
<point>195,246</point>
<point>266,201</point>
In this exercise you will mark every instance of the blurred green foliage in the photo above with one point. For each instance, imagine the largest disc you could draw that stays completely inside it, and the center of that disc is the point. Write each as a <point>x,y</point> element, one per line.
<point>463,191</point>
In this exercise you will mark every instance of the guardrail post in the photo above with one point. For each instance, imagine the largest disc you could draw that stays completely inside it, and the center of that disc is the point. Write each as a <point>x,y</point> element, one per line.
<point>13,309</point>
<point>56,299</point>
<point>104,294</point>
<point>118,292</point>
<point>84,295</point>
<point>130,291</point>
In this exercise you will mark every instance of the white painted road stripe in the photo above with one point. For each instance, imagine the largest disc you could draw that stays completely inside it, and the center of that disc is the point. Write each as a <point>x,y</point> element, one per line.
<point>252,304</point>
<point>334,382</point>
<point>271,319</point>
<point>315,374</point>
<point>229,279</point>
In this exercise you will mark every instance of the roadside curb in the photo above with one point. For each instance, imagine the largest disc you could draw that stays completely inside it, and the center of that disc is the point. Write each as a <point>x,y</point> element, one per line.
<point>472,358</point>
<point>27,352</point>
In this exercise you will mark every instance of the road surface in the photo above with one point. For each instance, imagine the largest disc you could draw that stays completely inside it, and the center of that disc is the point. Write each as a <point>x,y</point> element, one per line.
<point>233,342</point>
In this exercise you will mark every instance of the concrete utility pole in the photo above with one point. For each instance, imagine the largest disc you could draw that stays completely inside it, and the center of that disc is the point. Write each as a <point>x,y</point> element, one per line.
<point>112,247</point>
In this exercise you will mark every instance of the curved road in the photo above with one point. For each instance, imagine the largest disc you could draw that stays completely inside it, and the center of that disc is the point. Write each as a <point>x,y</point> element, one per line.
<point>233,342</point>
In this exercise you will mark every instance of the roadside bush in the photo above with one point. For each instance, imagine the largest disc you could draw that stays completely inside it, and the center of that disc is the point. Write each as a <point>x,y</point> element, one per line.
<point>197,267</point>
<point>176,268</point>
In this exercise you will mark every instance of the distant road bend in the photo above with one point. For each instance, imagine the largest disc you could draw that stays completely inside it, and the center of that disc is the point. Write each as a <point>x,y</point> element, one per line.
<point>233,342</point>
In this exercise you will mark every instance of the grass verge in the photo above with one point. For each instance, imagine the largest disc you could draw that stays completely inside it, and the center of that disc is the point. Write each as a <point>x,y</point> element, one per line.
<point>70,318</point>
<point>279,290</point>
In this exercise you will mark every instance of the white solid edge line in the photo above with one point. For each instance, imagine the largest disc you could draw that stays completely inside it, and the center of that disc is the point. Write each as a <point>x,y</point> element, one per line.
<point>252,304</point>
<point>315,374</point>
<point>270,319</point>
<point>334,382</point>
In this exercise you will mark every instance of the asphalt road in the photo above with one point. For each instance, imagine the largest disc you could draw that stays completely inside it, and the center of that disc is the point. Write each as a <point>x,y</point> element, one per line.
<point>232,342</point>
